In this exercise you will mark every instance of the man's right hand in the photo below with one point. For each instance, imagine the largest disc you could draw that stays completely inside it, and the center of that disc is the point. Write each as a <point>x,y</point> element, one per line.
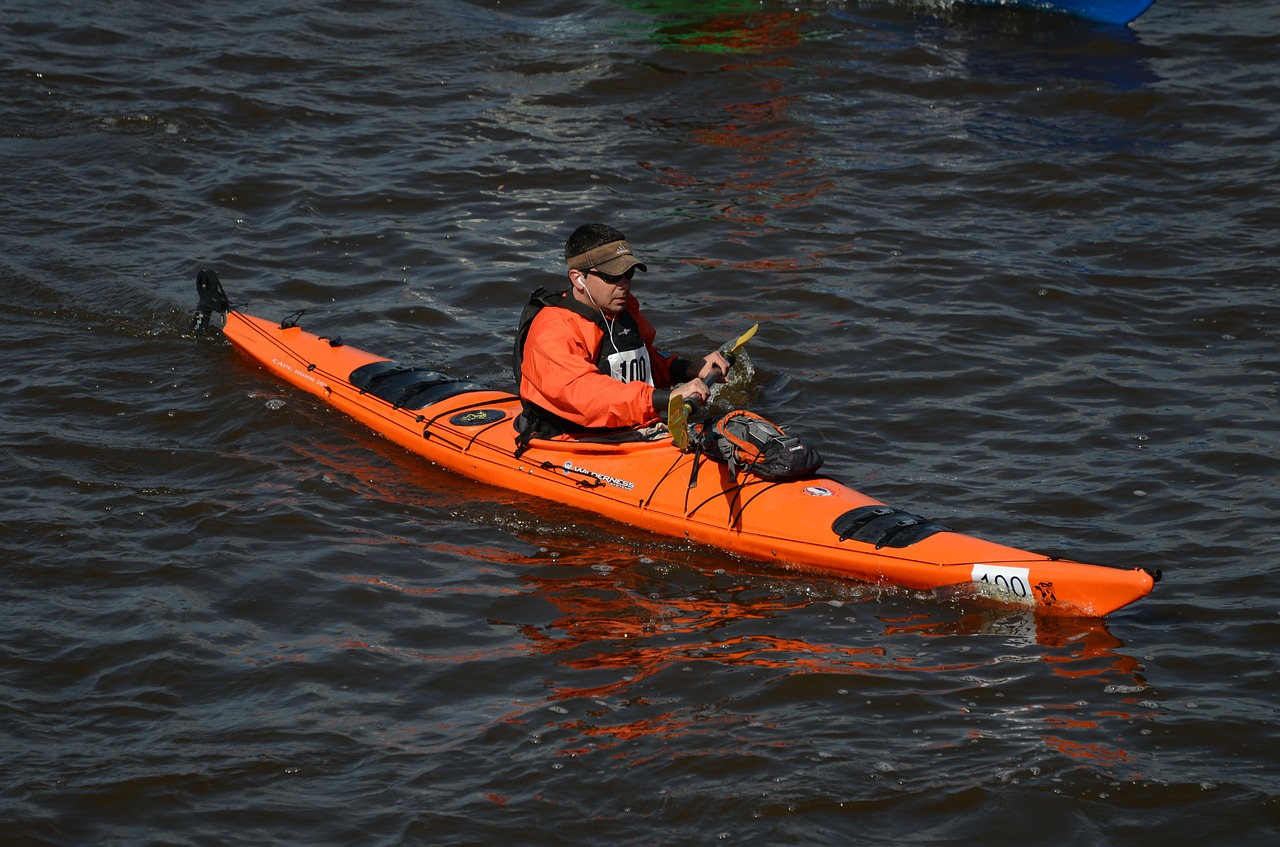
<point>694,391</point>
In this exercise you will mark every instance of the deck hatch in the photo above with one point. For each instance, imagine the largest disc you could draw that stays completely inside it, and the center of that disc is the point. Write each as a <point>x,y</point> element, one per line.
<point>408,388</point>
<point>884,526</point>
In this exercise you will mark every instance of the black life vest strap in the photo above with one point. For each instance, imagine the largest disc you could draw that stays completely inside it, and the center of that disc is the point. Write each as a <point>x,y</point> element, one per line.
<point>538,300</point>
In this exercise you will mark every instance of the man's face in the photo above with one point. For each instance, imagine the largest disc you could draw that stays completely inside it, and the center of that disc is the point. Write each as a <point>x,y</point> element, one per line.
<point>606,291</point>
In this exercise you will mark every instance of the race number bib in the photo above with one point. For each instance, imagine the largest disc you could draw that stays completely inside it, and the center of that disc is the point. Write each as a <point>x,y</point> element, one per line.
<point>631,366</point>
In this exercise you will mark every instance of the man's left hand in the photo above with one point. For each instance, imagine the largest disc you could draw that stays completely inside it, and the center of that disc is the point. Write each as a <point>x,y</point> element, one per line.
<point>714,361</point>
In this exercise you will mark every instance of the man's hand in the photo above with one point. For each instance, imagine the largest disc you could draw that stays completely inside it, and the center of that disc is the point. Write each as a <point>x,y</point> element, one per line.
<point>694,391</point>
<point>712,362</point>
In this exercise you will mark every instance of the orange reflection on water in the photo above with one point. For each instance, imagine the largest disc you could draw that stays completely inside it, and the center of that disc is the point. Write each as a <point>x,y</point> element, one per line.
<point>1074,648</point>
<point>1097,754</point>
<point>1078,647</point>
<point>760,127</point>
<point>624,630</point>
<point>627,629</point>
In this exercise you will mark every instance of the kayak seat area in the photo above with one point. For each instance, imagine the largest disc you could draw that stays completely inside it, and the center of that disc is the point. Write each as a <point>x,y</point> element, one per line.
<point>408,388</point>
<point>884,526</point>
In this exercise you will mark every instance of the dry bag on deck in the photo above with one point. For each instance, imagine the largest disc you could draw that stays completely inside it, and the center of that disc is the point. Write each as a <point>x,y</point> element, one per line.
<point>747,442</point>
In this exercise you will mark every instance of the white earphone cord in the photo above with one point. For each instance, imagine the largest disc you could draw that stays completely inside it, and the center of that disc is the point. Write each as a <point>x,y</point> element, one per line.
<point>607,322</point>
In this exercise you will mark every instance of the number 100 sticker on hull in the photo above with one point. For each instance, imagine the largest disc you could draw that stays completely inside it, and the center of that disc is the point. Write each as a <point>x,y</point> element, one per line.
<point>1005,582</point>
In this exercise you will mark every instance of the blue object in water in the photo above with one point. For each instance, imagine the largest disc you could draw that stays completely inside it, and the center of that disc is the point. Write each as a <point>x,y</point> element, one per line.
<point>1106,11</point>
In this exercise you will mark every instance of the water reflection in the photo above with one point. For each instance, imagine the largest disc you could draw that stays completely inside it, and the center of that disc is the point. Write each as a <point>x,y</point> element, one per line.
<point>726,26</point>
<point>661,651</point>
<point>1117,59</point>
<point>1016,45</point>
<point>760,83</point>
<point>753,113</point>
<point>636,637</point>
<point>604,589</point>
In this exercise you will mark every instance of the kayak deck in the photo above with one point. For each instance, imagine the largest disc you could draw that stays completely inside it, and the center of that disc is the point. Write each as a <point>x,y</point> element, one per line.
<point>815,524</point>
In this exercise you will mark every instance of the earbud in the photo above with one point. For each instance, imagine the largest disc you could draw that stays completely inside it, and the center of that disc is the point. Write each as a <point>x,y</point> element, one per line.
<point>578,282</point>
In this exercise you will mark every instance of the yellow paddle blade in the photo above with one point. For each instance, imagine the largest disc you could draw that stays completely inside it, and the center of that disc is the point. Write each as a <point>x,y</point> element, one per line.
<point>742,339</point>
<point>678,422</point>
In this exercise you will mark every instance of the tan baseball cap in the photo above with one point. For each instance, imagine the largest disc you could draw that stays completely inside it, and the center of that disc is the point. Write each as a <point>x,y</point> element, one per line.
<point>614,258</point>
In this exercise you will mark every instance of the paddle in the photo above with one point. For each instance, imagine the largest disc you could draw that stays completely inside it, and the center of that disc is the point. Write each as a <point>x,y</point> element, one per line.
<point>678,410</point>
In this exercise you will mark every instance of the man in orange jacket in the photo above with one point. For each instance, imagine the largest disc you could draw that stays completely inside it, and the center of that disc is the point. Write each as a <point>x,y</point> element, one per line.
<point>585,358</point>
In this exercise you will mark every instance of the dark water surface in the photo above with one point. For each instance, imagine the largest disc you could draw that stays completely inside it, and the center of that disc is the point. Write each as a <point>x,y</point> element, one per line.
<point>1012,271</point>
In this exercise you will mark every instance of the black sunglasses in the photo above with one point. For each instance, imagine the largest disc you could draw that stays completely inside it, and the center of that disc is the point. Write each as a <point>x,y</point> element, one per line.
<point>613,279</point>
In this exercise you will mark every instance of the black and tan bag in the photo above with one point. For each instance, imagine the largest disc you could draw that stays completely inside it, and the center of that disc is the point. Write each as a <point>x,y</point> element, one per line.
<point>748,443</point>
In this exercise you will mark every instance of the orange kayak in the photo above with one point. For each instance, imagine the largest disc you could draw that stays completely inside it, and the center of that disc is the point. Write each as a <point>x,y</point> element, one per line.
<point>816,524</point>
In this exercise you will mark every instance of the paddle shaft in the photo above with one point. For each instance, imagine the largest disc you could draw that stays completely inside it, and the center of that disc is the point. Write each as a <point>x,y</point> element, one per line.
<point>709,380</point>
<point>679,409</point>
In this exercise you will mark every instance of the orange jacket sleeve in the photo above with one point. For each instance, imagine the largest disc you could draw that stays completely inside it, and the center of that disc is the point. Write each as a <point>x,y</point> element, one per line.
<point>560,374</point>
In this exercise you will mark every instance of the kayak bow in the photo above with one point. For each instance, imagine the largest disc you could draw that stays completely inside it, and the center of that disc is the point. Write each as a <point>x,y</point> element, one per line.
<point>816,525</point>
